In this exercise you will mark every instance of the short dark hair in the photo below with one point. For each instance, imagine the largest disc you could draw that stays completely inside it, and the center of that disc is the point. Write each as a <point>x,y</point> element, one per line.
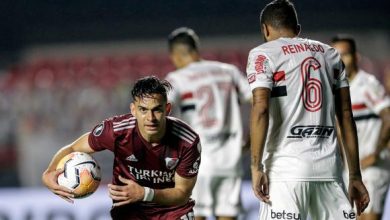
<point>147,86</point>
<point>280,14</point>
<point>346,38</point>
<point>185,36</point>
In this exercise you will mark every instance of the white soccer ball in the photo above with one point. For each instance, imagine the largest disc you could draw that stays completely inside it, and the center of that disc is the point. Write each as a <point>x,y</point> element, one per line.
<point>81,174</point>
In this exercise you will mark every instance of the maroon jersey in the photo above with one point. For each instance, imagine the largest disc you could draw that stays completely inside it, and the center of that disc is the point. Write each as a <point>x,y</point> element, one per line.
<point>151,166</point>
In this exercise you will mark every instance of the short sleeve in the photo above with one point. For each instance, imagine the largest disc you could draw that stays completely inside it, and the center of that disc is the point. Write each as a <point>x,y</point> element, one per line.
<point>376,98</point>
<point>340,76</point>
<point>174,96</point>
<point>259,70</point>
<point>243,89</point>
<point>102,137</point>
<point>190,161</point>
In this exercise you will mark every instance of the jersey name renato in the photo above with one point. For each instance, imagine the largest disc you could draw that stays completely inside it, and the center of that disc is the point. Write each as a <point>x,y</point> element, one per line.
<point>302,75</point>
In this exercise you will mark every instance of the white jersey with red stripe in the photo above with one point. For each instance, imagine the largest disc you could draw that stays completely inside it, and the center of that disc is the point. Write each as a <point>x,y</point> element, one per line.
<point>206,94</point>
<point>302,75</point>
<point>368,99</point>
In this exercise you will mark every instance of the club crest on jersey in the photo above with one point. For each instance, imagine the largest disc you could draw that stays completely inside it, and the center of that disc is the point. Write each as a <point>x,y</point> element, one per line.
<point>261,64</point>
<point>195,166</point>
<point>171,163</point>
<point>251,78</point>
<point>98,130</point>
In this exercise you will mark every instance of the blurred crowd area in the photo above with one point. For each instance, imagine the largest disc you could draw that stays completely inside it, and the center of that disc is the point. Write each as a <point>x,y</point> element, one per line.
<point>46,103</point>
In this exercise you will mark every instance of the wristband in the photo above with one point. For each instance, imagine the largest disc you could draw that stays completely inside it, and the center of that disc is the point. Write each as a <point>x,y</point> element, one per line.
<point>148,195</point>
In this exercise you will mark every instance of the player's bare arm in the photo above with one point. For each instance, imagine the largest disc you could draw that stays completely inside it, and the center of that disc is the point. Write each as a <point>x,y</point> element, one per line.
<point>259,127</point>
<point>383,141</point>
<point>358,194</point>
<point>133,192</point>
<point>49,177</point>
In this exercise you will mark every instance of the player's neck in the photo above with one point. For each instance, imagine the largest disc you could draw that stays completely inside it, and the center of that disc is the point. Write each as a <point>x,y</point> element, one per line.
<point>195,60</point>
<point>277,36</point>
<point>352,73</point>
<point>154,140</point>
<point>287,35</point>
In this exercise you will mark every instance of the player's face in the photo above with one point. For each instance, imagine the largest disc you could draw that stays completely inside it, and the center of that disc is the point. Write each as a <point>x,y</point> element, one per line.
<point>345,52</point>
<point>150,114</point>
<point>181,55</point>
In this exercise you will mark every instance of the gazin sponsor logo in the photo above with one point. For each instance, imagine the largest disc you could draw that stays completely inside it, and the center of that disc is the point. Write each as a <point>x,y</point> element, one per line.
<point>311,131</point>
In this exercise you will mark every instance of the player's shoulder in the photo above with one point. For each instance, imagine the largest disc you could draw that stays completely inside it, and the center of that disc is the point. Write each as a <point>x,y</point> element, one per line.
<point>316,45</point>
<point>208,64</point>
<point>271,45</point>
<point>367,78</point>
<point>330,53</point>
<point>122,123</point>
<point>179,75</point>
<point>171,76</point>
<point>312,41</point>
<point>265,47</point>
<point>268,50</point>
<point>327,48</point>
<point>183,131</point>
<point>226,67</point>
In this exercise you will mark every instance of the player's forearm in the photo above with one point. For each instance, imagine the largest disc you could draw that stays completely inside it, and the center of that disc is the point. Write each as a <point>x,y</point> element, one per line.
<point>259,128</point>
<point>78,145</point>
<point>58,156</point>
<point>384,135</point>
<point>349,135</point>
<point>171,196</point>
<point>348,130</point>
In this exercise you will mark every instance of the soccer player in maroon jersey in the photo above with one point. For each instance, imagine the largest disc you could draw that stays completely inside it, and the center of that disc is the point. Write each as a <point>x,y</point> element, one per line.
<point>156,157</point>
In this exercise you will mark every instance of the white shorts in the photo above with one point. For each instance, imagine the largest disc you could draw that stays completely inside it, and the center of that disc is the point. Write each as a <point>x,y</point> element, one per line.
<point>298,200</point>
<point>377,182</point>
<point>217,196</point>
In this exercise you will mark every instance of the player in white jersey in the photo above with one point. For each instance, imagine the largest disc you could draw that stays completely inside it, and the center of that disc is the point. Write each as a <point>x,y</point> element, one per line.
<point>206,94</point>
<point>299,87</point>
<point>371,111</point>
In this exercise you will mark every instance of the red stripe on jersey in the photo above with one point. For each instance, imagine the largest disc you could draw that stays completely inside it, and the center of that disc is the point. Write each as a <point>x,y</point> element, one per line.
<point>373,100</point>
<point>187,95</point>
<point>359,106</point>
<point>279,76</point>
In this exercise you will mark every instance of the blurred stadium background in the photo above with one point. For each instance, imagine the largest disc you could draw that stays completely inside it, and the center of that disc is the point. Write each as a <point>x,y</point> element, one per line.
<point>65,66</point>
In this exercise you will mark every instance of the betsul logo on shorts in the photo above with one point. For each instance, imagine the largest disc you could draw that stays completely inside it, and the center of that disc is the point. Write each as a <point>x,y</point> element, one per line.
<point>311,131</point>
<point>349,215</point>
<point>285,215</point>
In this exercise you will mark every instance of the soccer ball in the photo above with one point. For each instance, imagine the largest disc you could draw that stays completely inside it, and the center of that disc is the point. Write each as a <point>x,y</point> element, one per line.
<point>81,174</point>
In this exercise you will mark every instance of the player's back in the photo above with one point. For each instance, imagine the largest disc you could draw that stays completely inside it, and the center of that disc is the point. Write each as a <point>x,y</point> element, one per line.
<point>302,74</point>
<point>206,95</point>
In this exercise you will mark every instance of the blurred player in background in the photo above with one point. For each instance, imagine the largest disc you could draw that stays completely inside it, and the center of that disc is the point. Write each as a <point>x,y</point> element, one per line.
<point>156,158</point>
<point>371,111</point>
<point>207,95</point>
<point>387,79</point>
<point>298,86</point>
